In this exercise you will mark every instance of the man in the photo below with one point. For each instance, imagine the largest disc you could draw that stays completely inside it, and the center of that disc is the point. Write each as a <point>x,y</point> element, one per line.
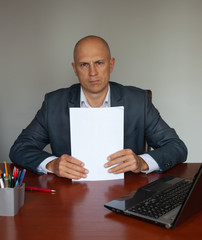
<point>92,65</point>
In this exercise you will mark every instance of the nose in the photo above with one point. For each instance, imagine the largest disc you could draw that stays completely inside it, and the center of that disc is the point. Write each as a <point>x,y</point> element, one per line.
<point>92,70</point>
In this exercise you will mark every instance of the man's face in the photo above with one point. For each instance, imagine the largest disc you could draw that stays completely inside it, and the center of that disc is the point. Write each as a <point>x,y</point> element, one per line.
<point>93,66</point>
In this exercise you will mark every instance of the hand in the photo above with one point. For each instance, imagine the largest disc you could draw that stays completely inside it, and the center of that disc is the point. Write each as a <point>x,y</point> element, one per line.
<point>126,160</point>
<point>67,167</point>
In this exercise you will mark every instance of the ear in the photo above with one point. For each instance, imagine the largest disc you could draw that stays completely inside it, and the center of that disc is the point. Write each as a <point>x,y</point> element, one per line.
<point>74,67</point>
<point>112,62</point>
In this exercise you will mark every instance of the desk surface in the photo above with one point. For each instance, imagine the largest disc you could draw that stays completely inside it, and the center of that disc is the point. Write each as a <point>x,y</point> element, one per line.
<point>76,210</point>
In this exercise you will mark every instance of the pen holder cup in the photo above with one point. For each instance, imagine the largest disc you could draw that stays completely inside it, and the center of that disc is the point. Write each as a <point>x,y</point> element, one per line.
<point>11,200</point>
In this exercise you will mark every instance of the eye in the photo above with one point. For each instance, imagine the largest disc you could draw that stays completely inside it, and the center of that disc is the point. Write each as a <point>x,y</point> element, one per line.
<point>99,62</point>
<point>83,64</point>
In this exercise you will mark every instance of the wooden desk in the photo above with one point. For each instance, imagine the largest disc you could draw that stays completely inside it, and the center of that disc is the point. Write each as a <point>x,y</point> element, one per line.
<point>76,211</point>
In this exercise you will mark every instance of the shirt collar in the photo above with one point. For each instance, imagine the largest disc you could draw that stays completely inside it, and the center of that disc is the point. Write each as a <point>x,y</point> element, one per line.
<point>84,103</point>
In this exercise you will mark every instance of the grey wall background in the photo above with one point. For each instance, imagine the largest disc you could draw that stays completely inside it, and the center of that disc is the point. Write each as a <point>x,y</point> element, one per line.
<point>157,45</point>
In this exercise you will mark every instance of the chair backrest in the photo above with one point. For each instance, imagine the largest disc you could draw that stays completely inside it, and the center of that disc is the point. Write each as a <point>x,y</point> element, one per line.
<point>147,148</point>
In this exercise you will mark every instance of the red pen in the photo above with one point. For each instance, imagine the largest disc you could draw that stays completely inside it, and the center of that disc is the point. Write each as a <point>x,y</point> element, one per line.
<point>39,189</point>
<point>15,172</point>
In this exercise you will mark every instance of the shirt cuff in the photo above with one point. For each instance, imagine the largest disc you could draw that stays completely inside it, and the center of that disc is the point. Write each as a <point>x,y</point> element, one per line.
<point>152,164</point>
<point>42,166</point>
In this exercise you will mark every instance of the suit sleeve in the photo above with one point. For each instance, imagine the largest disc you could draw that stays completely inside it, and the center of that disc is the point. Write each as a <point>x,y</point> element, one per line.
<point>27,151</point>
<point>168,148</point>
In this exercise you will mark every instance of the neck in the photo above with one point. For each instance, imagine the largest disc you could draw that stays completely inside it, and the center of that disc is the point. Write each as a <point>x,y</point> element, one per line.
<point>95,99</point>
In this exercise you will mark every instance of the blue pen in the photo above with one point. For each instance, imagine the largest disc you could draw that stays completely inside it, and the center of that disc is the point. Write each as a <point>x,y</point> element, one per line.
<point>22,177</point>
<point>16,183</point>
<point>18,175</point>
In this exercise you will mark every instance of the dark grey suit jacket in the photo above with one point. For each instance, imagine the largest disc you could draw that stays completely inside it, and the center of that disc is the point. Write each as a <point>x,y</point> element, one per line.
<point>141,121</point>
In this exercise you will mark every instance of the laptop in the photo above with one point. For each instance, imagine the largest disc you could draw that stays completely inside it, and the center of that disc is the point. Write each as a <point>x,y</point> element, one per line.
<point>167,201</point>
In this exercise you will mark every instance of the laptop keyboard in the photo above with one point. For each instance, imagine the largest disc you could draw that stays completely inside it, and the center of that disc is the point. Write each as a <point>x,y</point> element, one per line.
<point>163,202</point>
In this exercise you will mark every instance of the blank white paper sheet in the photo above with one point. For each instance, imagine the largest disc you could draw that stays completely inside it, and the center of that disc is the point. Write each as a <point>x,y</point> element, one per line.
<point>95,134</point>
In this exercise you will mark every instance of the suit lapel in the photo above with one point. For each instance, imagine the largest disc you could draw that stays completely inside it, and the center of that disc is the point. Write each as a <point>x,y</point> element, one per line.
<point>74,96</point>
<point>116,95</point>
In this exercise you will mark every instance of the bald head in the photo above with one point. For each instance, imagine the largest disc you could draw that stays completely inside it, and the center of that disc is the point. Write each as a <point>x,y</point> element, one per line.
<point>93,65</point>
<point>91,41</point>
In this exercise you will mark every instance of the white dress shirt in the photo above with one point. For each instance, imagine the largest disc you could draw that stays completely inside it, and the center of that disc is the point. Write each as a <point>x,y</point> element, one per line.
<point>152,164</point>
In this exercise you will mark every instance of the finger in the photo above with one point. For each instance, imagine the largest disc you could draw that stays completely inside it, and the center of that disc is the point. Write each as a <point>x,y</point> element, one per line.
<point>73,163</point>
<point>69,173</point>
<point>71,168</point>
<point>115,161</point>
<point>72,160</point>
<point>124,170</point>
<point>73,176</point>
<point>120,168</point>
<point>121,159</point>
<point>136,165</point>
<point>117,154</point>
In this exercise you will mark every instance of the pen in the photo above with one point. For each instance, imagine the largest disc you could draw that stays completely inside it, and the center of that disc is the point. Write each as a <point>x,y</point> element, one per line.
<point>1,183</point>
<point>16,183</point>
<point>9,179</point>
<point>18,176</point>
<point>15,172</point>
<point>6,182</point>
<point>39,189</point>
<point>6,169</point>
<point>12,182</point>
<point>22,176</point>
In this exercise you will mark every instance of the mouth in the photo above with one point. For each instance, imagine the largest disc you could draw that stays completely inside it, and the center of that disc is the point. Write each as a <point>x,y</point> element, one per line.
<point>94,82</point>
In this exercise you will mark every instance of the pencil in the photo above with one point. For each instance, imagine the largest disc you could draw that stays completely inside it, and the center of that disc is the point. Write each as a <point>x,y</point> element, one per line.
<point>6,169</point>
